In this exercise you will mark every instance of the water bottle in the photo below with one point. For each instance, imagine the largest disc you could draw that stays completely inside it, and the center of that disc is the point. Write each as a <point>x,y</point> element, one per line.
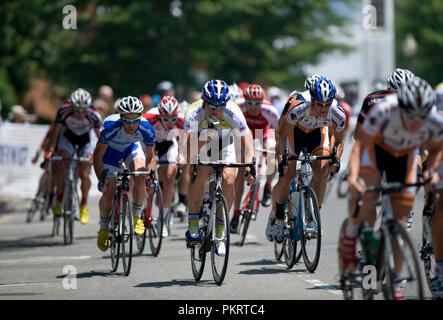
<point>370,243</point>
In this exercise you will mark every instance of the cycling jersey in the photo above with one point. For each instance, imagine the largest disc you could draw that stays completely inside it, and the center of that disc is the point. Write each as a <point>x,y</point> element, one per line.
<point>123,146</point>
<point>268,116</point>
<point>300,114</point>
<point>232,119</point>
<point>161,134</point>
<point>384,123</point>
<point>113,135</point>
<point>370,100</point>
<point>296,96</point>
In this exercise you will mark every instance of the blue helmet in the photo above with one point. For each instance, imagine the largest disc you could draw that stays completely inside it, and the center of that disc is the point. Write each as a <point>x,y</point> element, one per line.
<point>323,90</point>
<point>216,92</point>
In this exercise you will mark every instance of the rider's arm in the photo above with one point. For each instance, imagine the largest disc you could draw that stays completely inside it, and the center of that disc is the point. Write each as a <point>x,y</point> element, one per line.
<point>283,133</point>
<point>356,152</point>
<point>54,136</point>
<point>99,152</point>
<point>150,157</point>
<point>434,156</point>
<point>338,140</point>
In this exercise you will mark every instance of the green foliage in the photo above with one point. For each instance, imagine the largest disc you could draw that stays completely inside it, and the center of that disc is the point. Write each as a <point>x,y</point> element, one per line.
<point>133,45</point>
<point>424,20</point>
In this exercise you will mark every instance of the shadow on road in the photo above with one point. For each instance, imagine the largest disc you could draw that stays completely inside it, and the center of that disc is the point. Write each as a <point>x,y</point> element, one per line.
<point>31,242</point>
<point>91,274</point>
<point>267,270</point>
<point>177,283</point>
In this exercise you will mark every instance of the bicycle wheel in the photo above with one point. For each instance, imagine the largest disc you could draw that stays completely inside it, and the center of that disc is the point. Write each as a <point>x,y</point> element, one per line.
<point>428,257</point>
<point>247,213</point>
<point>219,262</point>
<point>68,214</point>
<point>198,255</point>
<point>155,220</point>
<point>290,244</point>
<point>310,230</point>
<point>31,210</point>
<point>114,237</point>
<point>55,226</point>
<point>409,278</point>
<point>126,236</point>
<point>342,187</point>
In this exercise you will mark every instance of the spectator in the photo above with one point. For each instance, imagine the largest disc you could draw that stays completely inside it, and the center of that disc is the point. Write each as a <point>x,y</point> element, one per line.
<point>104,103</point>
<point>146,99</point>
<point>17,114</point>
<point>275,96</point>
<point>166,88</point>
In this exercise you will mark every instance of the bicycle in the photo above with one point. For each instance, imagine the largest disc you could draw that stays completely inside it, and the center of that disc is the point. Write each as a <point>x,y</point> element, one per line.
<point>210,209</point>
<point>70,201</point>
<point>302,221</point>
<point>251,202</point>
<point>153,219</point>
<point>427,251</point>
<point>40,202</point>
<point>379,253</point>
<point>121,228</point>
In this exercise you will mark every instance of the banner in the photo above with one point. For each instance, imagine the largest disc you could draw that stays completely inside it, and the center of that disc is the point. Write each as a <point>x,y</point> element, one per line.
<point>18,145</point>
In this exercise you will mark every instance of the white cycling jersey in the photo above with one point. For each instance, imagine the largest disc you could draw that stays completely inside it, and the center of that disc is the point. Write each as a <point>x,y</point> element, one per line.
<point>385,124</point>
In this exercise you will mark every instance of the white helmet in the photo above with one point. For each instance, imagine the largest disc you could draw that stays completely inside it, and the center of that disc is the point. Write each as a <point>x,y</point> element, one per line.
<point>398,77</point>
<point>310,81</point>
<point>416,97</point>
<point>130,105</point>
<point>168,106</point>
<point>236,94</point>
<point>81,98</point>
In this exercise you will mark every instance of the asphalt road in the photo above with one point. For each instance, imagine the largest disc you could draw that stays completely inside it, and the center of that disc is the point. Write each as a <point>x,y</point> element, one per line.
<point>34,265</point>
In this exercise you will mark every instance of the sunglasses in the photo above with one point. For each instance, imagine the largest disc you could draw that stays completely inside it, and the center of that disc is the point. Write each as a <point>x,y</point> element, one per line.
<point>254,103</point>
<point>129,121</point>
<point>214,107</point>
<point>323,104</point>
<point>80,110</point>
<point>413,117</point>
<point>167,119</point>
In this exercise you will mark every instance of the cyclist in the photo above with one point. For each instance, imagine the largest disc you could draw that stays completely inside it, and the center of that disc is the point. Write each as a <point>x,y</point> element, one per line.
<point>214,107</point>
<point>259,114</point>
<point>390,134</point>
<point>168,124</point>
<point>125,136</point>
<point>437,221</point>
<point>307,126</point>
<point>74,124</point>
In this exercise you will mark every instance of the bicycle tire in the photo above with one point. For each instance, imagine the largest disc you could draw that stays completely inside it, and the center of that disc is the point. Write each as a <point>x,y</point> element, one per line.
<point>32,209</point>
<point>428,257</point>
<point>410,285</point>
<point>219,272</point>
<point>198,255</point>
<point>311,262</point>
<point>55,226</point>
<point>247,214</point>
<point>114,239</point>
<point>127,235</point>
<point>155,230</point>
<point>342,181</point>
<point>68,214</point>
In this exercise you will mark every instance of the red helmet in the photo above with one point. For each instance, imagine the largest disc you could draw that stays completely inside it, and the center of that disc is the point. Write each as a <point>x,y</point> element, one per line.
<point>254,92</point>
<point>168,106</point>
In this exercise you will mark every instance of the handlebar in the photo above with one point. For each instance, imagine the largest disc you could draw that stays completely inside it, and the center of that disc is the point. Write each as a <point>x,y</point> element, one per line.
<point>306,157</point>
<point>223,164</point>
<point>58,158</point>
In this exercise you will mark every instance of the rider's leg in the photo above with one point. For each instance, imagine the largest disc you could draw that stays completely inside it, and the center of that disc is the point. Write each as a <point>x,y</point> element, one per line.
<point>62,170</point>
<point>84,170</point>
<point>196,193</point>
<point>318,182</point>
<point>166,175</point>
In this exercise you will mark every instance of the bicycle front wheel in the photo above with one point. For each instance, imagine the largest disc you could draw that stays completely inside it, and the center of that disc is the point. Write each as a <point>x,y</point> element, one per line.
<point>68,214</point>
<point>310,230</point>
<point>220,255</point>
<point>406,276</point>
<point>127,230</point>
<point>198,255</point>
<point>154,210</point>
<point>247,213</point>
<point>114,238</point>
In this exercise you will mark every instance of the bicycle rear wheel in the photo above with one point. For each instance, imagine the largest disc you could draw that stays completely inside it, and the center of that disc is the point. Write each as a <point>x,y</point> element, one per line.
<point>114,238</point>
<point>219,262</point>
<point>126,236</point>
<point>154,209</point>
<point>409,279</point>
<point>310,230</point>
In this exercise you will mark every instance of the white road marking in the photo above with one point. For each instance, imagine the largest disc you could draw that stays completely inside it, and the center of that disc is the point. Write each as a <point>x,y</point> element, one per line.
<point>42,259</point>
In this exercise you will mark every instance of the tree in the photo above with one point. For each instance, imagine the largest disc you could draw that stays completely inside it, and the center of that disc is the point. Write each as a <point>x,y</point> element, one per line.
<point>423,20</point>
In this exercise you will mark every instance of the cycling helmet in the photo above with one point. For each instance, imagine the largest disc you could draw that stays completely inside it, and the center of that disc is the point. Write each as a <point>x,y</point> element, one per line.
<point>310,81</point>
<point>130,105</point>
<point>416,97</point>
<point>398,77</point>
<point>168,106</point>
<point>323,90</point>
<point>165,86</point>
<point>254,92</point>
<point>81,98</point>
<point>340,92</point>
<point>236,94</point>
<point>216,92</point>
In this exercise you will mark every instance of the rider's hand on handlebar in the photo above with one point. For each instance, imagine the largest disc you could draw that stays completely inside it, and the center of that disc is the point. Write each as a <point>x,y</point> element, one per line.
<point>356,189</point>
<point>251,179</point>
<point>431,178</point>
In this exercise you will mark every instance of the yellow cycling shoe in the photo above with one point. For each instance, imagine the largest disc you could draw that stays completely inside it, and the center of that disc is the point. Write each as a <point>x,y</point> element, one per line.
<point>103,240</point>
<point>139,226</point>
<point>84,215</point>
<point>58,209</point>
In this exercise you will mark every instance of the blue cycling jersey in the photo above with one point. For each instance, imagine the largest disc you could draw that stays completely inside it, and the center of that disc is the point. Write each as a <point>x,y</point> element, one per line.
<point>113,135</point>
